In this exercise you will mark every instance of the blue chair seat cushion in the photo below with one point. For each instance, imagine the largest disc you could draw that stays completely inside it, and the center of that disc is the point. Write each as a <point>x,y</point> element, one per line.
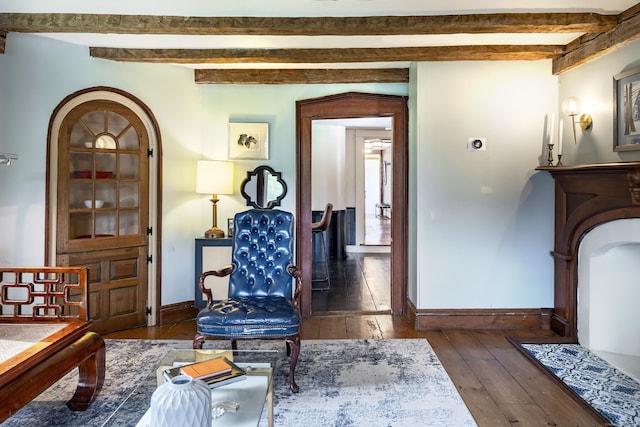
<point>268,317</point>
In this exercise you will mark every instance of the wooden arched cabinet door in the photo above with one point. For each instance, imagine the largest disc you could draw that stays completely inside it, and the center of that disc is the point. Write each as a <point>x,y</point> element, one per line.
<point>102,208</point>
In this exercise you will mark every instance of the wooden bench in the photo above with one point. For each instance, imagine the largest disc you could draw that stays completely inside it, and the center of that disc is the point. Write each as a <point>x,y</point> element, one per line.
<point>44,334</point>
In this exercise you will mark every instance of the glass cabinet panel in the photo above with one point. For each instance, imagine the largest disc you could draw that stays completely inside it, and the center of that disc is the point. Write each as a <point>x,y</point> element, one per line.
<point>80,225</point>
<point>129,140</point>
<point>129,166</point>
<point>94,121</point>
<point>116,123</point>
<point>79,193</point>
<point>105,195</point>
<point>103,178</point>
<point>105,224</point>
<point>128,223</point>
<point>129,195</point>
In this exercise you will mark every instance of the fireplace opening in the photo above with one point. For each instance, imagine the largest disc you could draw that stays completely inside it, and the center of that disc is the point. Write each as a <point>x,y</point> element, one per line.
<point>608,293</point>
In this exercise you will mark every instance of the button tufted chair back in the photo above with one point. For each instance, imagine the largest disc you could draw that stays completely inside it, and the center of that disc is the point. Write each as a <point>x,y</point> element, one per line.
<point>262,250</point>
<point>264,287</point>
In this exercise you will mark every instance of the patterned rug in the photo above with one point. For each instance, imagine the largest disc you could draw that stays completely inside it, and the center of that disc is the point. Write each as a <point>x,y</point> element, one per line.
<point>609,391</point>
<point>395,382</point>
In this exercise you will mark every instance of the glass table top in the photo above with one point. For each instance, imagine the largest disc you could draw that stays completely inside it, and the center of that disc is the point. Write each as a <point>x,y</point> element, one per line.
<point>251,393</point>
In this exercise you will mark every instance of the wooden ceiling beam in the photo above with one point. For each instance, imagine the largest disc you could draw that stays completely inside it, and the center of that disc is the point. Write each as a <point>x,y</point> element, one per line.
<point>302,76</point>
<point>589,46</point>
<point>299,56</point>
<point>308,26</point>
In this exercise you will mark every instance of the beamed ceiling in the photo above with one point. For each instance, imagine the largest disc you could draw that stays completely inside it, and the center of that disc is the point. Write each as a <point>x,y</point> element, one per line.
<point>331,49</point>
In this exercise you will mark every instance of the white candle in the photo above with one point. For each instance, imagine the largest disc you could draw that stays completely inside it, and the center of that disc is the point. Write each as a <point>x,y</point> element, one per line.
<point>551,128</point>
<point>560,137</point>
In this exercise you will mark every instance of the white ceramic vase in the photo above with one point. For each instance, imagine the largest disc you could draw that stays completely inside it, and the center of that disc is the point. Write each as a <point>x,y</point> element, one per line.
<point>181,402</point>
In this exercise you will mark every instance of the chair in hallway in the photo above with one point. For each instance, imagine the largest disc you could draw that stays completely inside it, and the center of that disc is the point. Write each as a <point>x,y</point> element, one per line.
<point>264,287</point>
<point>320,272</point>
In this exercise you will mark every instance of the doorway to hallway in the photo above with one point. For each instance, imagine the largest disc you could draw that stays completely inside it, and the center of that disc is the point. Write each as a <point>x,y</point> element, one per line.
<point>354,105</point>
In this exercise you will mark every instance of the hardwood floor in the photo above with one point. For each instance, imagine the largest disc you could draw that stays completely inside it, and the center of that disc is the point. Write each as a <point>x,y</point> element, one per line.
<point>359,283</point>
<point>377,230</point>
<point>498,384</point>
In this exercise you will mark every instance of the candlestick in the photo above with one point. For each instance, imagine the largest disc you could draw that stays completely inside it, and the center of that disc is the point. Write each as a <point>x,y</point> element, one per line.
<point>550,155</point>
<point>559,160</point>
<point>552,128</point>
<point>560,137</point>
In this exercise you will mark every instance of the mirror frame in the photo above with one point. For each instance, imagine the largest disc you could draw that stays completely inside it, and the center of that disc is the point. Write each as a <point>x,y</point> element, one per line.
<point>254,173</point>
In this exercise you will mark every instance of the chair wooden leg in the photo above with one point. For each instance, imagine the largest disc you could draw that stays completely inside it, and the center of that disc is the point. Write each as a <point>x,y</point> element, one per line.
<point>198,340</point>
<point>293,345</point>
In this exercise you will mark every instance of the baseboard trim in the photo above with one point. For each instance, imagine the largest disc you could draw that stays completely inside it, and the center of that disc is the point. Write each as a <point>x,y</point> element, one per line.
<point>479,318</point>
<point>178,312</point>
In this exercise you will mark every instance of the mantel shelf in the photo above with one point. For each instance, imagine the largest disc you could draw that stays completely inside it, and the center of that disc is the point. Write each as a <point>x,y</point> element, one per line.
<point>591,167</point>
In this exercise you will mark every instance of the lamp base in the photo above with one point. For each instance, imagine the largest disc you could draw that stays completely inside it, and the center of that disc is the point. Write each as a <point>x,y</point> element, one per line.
<point>214,233</point>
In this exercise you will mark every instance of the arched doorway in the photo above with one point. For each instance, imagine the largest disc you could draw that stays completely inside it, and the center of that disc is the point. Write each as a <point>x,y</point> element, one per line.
<point>354,105</point>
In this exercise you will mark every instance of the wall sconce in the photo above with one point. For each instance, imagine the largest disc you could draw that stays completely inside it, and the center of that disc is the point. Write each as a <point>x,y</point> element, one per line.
<point>571,107</point>
<point>214,177</point>
<point>7,158</point>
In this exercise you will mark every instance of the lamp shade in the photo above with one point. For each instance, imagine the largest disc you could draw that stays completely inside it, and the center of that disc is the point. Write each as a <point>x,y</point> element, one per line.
<point>571,106</point>
<point>214,177</point>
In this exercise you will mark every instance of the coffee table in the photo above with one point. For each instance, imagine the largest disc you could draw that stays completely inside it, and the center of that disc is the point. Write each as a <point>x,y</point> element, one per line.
<point>251,393</point>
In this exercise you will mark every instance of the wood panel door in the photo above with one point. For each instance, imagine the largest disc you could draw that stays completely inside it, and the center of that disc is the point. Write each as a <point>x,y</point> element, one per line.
<point>103,209</point>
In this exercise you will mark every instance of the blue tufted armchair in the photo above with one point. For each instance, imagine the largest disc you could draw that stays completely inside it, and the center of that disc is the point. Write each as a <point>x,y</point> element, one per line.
<point>264,286</point>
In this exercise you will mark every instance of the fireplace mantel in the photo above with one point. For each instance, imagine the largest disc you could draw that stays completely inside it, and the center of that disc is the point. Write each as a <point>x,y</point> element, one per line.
<point>585,197</point>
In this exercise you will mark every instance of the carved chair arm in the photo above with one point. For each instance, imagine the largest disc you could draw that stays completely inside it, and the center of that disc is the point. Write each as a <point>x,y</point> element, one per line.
<point>224,271</point>
<point>297,274</point>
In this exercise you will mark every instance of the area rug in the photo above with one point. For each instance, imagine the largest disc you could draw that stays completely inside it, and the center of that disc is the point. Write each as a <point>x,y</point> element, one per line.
<point>394,382</point>
<point>609,391</point>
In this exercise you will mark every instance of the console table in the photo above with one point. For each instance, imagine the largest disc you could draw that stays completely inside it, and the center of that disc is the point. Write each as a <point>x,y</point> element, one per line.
<point>211,254</point>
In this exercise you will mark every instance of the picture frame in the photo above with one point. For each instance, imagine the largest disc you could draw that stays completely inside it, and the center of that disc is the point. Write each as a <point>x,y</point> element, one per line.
<point>248,141</point>
<point>626,111</point>
<point>230,227</point>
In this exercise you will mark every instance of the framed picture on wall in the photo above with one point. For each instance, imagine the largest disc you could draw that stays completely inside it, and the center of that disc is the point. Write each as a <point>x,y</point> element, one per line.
<point>249,141</point>
<point>626,111</point>
<point>230,227</point>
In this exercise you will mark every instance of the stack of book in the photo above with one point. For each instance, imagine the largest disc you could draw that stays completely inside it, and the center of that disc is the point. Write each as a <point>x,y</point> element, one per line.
<point>215,372</point>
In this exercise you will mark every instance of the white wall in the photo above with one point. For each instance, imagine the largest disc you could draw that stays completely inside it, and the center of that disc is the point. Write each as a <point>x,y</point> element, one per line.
<point>328,183</point>
<point>592,83</point>
<point>480,224</point>
<point>484,220</point>
<point>37,73</point>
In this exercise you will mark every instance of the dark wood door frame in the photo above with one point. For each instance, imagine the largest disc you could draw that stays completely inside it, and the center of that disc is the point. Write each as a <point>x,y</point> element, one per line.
<point>354,105</point>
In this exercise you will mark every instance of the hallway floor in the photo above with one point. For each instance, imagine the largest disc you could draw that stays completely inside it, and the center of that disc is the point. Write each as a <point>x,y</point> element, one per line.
<point>360,283</point>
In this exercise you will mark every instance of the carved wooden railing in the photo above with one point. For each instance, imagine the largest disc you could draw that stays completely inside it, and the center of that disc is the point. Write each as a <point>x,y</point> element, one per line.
<point>43,293</point>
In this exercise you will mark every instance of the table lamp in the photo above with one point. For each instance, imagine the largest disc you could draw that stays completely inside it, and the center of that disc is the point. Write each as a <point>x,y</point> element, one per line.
<point>214,177</point>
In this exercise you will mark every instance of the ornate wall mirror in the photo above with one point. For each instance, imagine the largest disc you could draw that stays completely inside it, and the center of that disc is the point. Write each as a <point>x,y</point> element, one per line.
<point>263,188</point>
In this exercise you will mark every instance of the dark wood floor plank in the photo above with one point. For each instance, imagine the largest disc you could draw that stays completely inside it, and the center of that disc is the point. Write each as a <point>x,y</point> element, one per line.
<point>483,408</point>
<point>526,415</point>
<point>396,327</point>
<point>560,408</point>
<point>365,327</point>
<point>330,327</point>
<point>480,403</point>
